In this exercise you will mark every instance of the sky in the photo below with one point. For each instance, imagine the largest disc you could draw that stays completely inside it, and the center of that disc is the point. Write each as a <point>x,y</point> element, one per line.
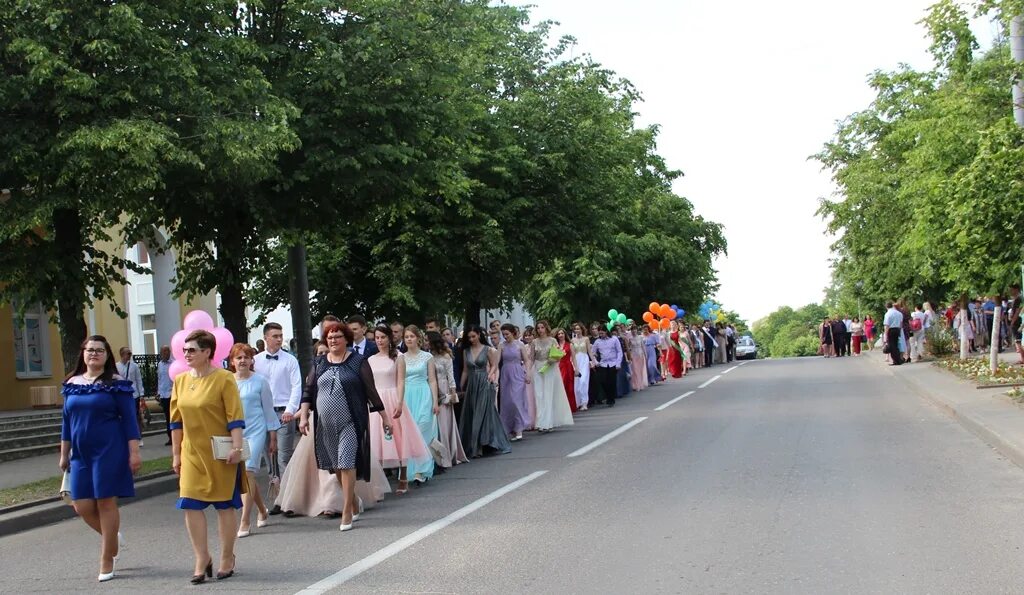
<point>744,93</point>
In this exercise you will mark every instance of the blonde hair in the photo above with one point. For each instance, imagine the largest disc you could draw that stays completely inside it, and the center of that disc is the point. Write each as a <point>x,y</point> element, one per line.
<point>421,340</point>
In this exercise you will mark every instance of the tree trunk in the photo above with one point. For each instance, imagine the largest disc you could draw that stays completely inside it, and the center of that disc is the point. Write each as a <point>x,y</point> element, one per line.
<point>964,342</point>
<point>67,237</point>
<point>993,355</point>
<point>232,308</point>
<point>298,279</point>
<point>472,314</point>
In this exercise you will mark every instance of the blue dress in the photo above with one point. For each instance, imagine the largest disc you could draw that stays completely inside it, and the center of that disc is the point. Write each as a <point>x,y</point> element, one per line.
<point>421,405</point>
<point>651,345</point>
<point>98,421</point>
<point>258,405</point>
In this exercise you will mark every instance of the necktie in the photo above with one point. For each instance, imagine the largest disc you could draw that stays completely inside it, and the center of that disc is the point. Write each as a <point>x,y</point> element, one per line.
<point>357,349</point>
<point>273,357</point>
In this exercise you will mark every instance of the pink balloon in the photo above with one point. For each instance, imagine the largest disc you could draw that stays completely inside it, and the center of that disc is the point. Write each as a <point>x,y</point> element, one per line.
<point>178,366</point>
<point>225,340</point>
<point>178,343</point>
<point>198,320</point>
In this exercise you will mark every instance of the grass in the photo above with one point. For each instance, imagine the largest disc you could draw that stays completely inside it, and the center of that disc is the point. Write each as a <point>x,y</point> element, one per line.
<point>48,488</point>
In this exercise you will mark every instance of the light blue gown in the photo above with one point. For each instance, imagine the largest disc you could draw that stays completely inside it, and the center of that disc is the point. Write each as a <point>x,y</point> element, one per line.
<point>421,406</point>
<point>260,418</point>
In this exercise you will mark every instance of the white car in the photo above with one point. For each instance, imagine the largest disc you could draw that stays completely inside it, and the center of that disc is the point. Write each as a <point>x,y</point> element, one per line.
<point>746,348</point>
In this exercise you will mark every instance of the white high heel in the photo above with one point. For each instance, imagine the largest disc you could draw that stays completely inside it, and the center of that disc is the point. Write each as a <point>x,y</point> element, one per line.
<point>242,534</point>
<point>347,527</point>
<point>104,577</point>
<point>262,522</point>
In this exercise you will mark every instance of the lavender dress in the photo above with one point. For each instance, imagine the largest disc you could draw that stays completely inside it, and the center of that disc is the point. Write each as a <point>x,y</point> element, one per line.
<point>515,414</point>
<point>651,345</point>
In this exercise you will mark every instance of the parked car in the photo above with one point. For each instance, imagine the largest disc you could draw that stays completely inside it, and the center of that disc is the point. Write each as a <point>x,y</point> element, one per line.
<point>746,348</point>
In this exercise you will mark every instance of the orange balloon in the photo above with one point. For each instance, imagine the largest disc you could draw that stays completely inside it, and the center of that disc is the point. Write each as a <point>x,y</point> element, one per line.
<point>671,315</point>
<point>665,310</point>
<point>648,317</point>
<point>665,324</point>
<point>654,308</point>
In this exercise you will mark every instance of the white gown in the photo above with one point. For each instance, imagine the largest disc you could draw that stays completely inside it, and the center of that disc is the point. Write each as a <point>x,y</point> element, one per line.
<point>552,403</point>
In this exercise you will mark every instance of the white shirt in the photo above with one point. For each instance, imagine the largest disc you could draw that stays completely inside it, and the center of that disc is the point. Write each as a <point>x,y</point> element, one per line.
<point>893,318</point>
<point>164,385</point>
<point>360,347</point>
<point>131,371</point>
<point>283,376</point>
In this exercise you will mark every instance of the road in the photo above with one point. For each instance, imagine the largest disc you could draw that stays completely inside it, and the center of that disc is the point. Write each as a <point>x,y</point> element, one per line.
<point>788,476</point>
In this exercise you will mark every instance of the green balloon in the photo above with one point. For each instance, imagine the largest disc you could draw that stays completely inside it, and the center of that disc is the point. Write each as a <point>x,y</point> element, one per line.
<point>621,318</point>
<point>611,325</point>
<point>630,321</point>
<point>613,314</point>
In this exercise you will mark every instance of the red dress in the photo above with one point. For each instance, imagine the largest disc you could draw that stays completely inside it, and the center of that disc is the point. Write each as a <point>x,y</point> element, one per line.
<point>568,375</point>
<point>674,360</point>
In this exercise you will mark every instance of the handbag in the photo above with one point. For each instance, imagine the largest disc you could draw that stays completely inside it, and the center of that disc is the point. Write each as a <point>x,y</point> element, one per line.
<point>221,446</point>
<point>439,451</point>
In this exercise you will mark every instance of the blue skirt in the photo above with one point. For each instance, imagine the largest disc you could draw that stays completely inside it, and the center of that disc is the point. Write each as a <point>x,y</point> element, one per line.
<point>234,502</point>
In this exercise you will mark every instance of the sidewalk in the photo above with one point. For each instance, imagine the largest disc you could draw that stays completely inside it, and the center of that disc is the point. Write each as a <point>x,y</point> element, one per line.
<point>987,413</point>
<point>22,471</point>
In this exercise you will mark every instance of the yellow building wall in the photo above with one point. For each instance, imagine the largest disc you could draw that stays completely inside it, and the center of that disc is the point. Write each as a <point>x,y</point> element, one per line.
<point>15,393</point>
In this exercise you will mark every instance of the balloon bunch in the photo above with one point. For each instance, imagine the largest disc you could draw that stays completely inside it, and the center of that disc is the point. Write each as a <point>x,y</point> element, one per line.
<point>666,313</point>
<point>194,321</point>
<point>709,310</point>
<point>616,317</point>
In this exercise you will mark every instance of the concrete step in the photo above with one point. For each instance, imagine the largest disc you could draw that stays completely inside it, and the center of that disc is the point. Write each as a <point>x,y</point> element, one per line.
<point>13,452</point>
<point>156,423</point>
<point>23,422</point>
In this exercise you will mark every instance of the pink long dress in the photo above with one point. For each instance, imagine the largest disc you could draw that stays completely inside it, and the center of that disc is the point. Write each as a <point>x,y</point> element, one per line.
<point>638,366</point>
<point>405,444</point>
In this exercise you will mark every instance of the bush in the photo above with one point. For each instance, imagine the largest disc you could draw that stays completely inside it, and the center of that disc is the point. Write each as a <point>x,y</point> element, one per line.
<point>940,342</point>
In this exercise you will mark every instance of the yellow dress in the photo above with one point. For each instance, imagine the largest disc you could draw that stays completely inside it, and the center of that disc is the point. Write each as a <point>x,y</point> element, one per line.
<point>201,408</point>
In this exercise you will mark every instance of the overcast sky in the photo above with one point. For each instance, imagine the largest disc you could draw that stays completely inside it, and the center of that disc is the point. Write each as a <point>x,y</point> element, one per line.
<point>744,92</point>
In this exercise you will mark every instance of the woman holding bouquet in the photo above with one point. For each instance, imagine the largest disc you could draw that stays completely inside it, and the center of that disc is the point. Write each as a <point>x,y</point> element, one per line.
<point>552,405</point>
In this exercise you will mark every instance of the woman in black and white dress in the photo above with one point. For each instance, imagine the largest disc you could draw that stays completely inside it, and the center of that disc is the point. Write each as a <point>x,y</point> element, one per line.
<point>340,388</point>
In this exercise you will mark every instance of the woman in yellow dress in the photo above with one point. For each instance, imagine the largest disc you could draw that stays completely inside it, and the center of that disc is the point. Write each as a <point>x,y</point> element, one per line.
<point>205,403</point>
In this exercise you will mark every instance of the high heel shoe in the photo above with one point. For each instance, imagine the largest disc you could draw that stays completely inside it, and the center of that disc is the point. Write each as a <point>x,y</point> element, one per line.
<point>200,578</point>
<point>105,576</point>
<point>223,575</point>
<point>403,487</point>
<point>262,522</point>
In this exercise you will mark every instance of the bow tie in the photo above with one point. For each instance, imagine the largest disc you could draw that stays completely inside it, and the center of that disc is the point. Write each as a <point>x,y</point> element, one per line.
<point>274,357</point>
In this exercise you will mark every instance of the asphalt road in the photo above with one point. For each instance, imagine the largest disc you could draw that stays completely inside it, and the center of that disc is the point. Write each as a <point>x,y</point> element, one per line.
<point>789,476</point>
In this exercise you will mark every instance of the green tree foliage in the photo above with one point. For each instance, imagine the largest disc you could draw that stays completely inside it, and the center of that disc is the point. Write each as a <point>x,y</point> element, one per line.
<point>788,332</point>
<point>929,176</point>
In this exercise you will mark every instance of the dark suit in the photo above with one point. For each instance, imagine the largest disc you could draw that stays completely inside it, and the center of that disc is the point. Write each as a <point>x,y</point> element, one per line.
<point>370,348</point>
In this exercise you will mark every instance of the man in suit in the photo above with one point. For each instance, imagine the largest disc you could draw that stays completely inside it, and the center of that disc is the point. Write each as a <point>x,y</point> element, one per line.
<point>398,336</point>
<point>129,370</point>
<point>361,344</point>
<point>431,325</point>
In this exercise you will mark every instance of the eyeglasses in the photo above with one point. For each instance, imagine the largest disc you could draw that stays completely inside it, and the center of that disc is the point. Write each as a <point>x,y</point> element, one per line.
<point>190,350</point>
<point>335,337</point>
<point>96,351</point>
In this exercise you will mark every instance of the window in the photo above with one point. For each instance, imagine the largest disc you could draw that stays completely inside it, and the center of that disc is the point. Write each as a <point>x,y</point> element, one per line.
<point>141,255</point>
<point>31,344</point>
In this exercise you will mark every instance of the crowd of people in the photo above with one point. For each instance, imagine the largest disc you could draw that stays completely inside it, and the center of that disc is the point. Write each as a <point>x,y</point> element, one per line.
<point>381,409</point>
<point>904,333</point>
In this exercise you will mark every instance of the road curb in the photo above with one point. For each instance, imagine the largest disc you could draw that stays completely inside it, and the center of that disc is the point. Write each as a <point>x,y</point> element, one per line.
<point>50,512</point>
<point>1010,448</point>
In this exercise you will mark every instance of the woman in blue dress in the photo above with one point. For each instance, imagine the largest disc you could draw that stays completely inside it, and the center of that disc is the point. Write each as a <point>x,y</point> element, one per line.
<point>99,444</point>
<point>420,398</point>
<point>260,420</point>
<point>651,345</point>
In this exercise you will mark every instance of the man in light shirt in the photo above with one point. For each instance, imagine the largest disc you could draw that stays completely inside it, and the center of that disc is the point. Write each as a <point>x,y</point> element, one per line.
<point>129,370</point>
<point>608,353</point>
<point>281,370</point>
<point>164,384</point>
<point>893,323</point>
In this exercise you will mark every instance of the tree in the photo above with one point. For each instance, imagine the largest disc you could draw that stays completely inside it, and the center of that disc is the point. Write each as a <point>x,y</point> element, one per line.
<point>81,93</point>
<point>788,332</point>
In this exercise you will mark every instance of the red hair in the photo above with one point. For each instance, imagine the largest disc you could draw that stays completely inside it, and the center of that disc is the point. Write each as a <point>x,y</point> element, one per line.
<point>337,327</point>
<point>236,350</point>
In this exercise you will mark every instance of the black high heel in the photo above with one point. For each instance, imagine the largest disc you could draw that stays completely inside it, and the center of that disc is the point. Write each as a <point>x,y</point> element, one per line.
<point>223,575</point>
<point>200,578</point>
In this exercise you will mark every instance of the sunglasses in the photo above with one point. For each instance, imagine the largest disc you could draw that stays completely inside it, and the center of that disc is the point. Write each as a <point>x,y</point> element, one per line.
<point>191,350</point>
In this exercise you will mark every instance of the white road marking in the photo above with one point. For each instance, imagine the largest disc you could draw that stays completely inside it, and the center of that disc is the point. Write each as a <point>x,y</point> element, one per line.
<point>731,369</point>
<point>604,438</point>
<point>673,401</point>
<point>709,381</point>
<point>411,539</point>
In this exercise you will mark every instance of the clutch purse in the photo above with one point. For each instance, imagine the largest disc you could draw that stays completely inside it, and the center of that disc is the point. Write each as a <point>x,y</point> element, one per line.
<point>221,446</point>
